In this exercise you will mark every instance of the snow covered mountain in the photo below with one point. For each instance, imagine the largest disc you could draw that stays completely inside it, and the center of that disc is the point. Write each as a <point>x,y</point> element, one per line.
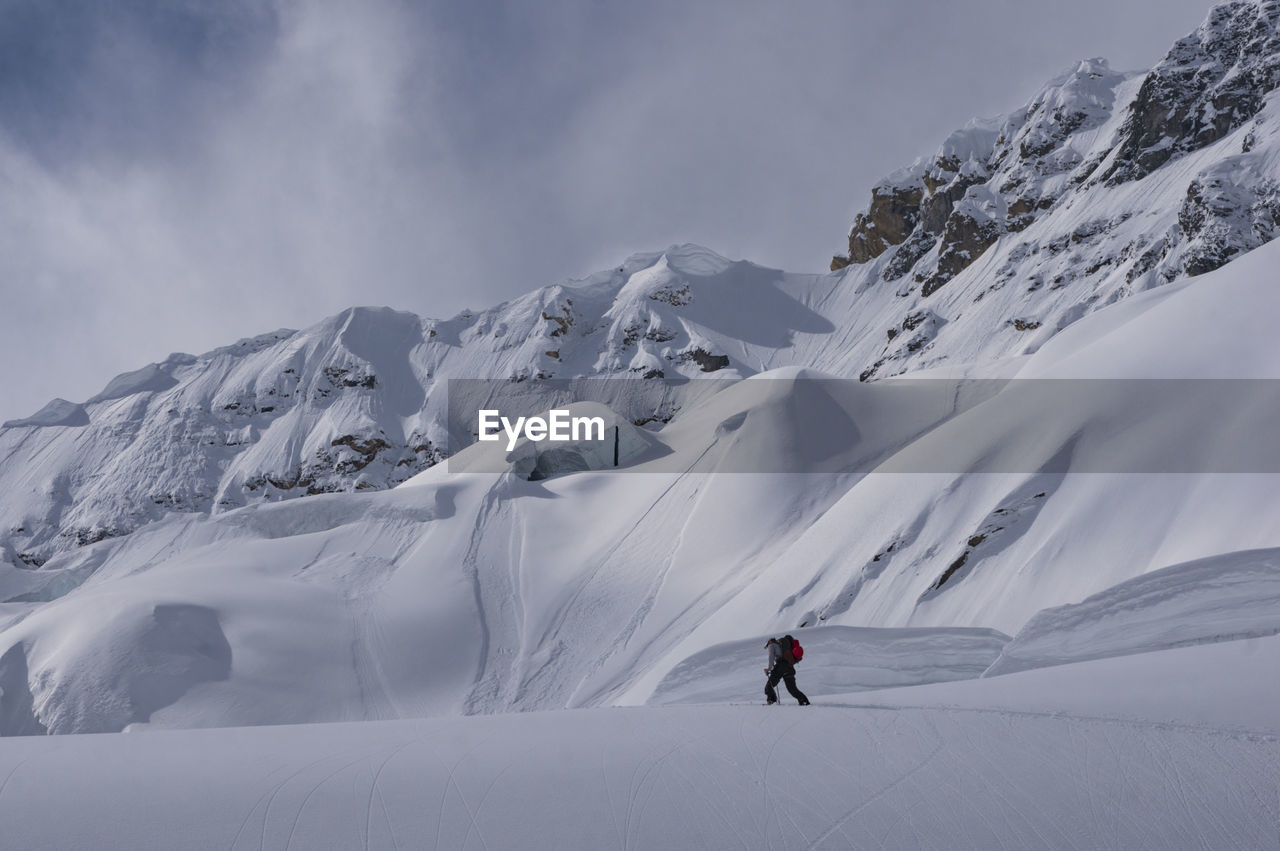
<point>1105,185</point>
<point>263,533</point>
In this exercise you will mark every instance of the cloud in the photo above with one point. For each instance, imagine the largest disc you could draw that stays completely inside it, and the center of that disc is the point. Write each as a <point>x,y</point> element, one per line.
<point>301,192</point>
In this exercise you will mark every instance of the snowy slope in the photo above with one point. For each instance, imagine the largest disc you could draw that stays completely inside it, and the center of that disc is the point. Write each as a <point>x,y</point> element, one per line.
<point>884,554</point>
<point>913,772</point>
<point>1223,685</point>
<point>1214,599</point>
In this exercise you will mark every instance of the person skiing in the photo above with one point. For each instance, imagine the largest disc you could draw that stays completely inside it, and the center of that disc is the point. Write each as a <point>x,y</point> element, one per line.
<point>782,666</point>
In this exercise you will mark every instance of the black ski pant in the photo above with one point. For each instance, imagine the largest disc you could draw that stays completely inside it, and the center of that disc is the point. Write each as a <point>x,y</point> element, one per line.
<point>787,674</point>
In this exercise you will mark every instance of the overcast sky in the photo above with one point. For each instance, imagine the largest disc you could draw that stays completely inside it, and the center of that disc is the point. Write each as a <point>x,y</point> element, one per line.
<point>177,175</point>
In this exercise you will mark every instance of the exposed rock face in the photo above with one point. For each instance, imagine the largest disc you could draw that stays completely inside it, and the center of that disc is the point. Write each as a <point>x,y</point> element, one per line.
<point>1210,83</point>
<point>912,335</point>
<point>706,361</point>
<point>893,214</point>
<point>967,232</point>
<point>909,253</point>
<point>1223,217</point>
<point>562,321</point>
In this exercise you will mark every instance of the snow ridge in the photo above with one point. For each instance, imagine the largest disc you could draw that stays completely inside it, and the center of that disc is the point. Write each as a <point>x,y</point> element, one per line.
<point>1208,600</point>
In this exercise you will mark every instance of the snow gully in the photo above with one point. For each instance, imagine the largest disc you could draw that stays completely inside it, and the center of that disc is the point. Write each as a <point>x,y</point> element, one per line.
<point>558,425</point>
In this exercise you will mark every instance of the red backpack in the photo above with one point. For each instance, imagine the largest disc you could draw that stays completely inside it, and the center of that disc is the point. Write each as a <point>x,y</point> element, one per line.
<point>797,652</point>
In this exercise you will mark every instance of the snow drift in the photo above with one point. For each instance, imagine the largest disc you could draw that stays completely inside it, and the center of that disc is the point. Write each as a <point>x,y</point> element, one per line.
<point>1219,598</point>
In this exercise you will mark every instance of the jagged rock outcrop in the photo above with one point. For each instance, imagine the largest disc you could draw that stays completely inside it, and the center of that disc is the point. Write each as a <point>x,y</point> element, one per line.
<point>893,214</point>
<point>991,178</point>
<point>1224,216</point>
<point>1209,84</point>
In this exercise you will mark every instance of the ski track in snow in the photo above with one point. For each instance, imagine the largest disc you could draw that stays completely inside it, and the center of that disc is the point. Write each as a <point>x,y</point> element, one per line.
<point>620,641</point>
<point>475,701</point>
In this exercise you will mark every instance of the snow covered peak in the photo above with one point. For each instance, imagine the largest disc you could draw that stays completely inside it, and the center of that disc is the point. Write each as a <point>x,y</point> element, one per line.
<point>1061,112</point>
<point>58,412</point>
<point>1090,79</point>
<point>690,259</point>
